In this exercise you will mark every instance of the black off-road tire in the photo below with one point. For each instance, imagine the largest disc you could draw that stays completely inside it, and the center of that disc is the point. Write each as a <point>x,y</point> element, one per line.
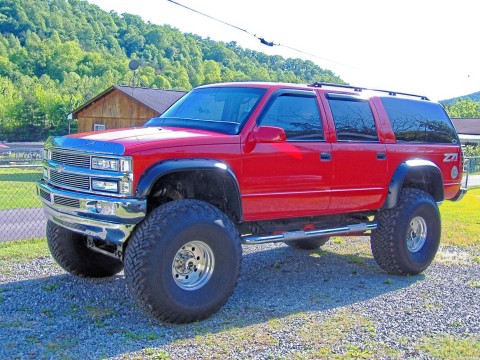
<point>70,251</point>
<point>392,244</point>
<point>308,244</point>
<point>155,275</point>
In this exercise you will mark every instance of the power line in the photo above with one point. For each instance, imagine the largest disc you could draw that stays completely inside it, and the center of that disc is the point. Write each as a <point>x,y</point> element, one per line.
<point>261,39</point>
<point>211,17</point>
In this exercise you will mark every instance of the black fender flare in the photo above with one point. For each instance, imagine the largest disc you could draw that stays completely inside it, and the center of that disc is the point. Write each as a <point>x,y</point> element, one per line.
<point>408,168</point>
<point>156,171</point>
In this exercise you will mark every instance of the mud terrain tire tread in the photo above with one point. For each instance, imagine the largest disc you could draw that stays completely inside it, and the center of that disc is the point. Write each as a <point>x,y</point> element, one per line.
<point>388,241</point>
<point>148,253</point>
<point>70,251</point>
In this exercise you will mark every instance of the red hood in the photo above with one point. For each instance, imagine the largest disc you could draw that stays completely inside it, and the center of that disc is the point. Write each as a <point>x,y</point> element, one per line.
<point>135,139</point>
<point>143,134</point>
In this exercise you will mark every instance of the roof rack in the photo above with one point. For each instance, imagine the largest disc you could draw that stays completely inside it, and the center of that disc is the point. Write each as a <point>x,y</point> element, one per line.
<point>360,89</point>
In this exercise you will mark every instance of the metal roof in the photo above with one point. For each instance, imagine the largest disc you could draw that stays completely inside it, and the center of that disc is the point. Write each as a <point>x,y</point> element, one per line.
<point>467,126</point>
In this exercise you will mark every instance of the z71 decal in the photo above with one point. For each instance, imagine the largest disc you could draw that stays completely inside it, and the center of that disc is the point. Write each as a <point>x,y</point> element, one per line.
<point>450,157</point>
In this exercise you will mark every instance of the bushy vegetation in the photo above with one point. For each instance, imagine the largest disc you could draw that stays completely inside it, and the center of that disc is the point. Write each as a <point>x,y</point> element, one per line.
<point>471,150</point>
<point>57,54</point>
<point>464,108</point>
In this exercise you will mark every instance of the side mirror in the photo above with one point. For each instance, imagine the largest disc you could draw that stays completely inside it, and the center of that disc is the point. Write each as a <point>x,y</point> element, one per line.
<point>269,134</point>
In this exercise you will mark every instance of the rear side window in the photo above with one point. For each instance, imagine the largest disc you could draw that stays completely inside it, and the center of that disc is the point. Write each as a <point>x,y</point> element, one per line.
<point>353,119</point>
<point>297,115</point>
<point>419,121</point>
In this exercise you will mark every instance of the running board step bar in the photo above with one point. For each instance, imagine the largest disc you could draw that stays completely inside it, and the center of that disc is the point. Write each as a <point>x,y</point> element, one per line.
<point>300,234</point>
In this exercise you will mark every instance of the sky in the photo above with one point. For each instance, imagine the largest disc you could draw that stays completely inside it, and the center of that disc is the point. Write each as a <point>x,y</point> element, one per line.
<point>423,47</point>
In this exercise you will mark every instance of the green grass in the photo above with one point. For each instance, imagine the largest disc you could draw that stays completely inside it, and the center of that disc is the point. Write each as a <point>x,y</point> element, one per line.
<point>474,283</point>
<point>461,221</point>
<point>99,314</point>
<point>18,188</point>
<point>452,348</point>
<point>23,250</point>
<point>156,354</point>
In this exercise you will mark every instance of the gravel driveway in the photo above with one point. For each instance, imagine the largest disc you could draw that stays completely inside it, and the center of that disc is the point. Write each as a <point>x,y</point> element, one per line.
<point>288,304</point>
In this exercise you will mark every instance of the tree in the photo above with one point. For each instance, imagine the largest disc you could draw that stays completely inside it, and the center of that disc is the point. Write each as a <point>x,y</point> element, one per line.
<point>65,58</point>
<point>9,96</point>
<point>211,71</point>
<point>161,82</point>
<point>464,108</point>
<point>6,67</point>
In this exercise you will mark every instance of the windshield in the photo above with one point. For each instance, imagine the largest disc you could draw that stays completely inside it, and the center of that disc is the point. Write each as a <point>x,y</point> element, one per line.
<point>221,109</point>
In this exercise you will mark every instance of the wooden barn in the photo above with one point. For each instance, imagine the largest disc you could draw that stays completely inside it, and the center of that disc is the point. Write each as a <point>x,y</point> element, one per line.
<point>124,106</point>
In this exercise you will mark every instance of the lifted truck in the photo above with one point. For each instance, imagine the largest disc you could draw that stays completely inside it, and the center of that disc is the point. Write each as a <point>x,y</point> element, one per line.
<point>247,163</point>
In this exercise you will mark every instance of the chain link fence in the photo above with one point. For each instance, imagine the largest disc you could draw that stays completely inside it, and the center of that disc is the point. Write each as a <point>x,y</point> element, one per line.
<point>21,214</point>
<point>473,165</point>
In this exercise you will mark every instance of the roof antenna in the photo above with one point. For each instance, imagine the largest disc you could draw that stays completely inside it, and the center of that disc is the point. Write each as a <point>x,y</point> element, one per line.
<point>133,65</point>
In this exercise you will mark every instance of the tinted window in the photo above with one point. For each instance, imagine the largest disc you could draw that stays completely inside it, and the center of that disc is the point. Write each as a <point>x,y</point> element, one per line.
<point>353,120</point>
<point>419,121</point>
<point>297,115</point>
<point>222,109</point>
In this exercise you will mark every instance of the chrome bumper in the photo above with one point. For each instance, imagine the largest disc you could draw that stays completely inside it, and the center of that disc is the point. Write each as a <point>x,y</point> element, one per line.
<point>459,196</point>
<point>101,217</point>
<point>463,189</point>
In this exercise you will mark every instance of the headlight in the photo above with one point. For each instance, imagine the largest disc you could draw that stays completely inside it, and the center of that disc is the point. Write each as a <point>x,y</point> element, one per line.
<point>105,185</point>
<point>105,164</point>
<point>123,165</point>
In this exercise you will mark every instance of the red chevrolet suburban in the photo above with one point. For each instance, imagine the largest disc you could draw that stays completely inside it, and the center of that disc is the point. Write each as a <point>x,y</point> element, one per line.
<point>246,163</point>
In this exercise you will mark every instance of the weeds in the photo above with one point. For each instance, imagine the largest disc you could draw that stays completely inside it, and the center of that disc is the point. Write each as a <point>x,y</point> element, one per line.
<point>452,348</point>
<point>23,250</point>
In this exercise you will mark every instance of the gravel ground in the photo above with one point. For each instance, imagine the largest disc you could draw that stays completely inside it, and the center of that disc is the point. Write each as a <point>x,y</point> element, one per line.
<point>288,304</point>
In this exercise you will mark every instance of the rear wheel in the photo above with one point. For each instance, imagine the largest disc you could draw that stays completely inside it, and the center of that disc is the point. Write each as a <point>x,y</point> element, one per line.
<point>70,251</point>
<point>183,261</point>
<point>408,236</point>
<point>308,244</point>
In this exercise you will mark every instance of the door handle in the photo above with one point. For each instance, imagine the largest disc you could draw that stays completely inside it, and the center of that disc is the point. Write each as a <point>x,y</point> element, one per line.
<point>381,156</point>
<point>325,156</point>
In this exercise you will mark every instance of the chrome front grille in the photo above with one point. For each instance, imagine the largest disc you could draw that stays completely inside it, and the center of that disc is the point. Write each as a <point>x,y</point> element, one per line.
<point>70,180</point>
<point>60,200</point>
<point>76,160</point>
<point>45,195</point>
<point>71,169</point>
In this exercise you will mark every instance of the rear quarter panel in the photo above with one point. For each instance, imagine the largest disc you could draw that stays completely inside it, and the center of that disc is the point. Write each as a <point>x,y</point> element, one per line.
<point>445,156</point>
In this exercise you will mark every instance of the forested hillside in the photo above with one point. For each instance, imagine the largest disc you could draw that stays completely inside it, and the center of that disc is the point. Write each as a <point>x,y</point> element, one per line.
<point>474,97</point>
<point>467,106</point>
<point>56,54</point>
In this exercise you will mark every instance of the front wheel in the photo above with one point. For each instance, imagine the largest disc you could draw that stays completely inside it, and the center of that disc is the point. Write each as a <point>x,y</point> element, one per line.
<point>183,261</point>
<point>70,251</point>
<point>408,236</point>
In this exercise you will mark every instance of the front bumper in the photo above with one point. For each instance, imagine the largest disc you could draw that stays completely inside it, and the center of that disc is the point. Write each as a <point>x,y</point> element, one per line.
<point>101,217</point>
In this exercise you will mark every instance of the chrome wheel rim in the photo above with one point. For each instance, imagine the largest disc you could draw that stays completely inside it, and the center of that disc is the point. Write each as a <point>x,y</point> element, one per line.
<point>417,234</point>
<point>193,265</point>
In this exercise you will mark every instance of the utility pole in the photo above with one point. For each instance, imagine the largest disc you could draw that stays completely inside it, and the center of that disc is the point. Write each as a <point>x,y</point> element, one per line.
<point>69,115</point>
